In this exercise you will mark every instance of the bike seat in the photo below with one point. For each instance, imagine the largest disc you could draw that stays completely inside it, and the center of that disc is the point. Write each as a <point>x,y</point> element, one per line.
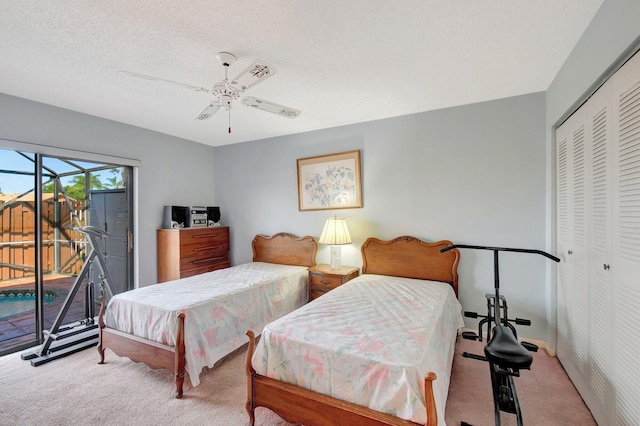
<point>505,351</point>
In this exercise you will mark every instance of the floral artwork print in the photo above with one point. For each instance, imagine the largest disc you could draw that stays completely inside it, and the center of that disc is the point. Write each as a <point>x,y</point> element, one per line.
<point>334,186</point>
<point>329,184</point>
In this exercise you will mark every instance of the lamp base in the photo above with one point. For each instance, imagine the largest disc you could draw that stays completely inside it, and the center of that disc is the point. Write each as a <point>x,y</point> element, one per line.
<point>336,261</point>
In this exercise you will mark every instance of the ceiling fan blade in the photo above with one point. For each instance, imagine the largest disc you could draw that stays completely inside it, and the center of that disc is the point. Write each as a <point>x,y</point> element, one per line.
<point>207,112</point>
<point>162,80</point>
<point>271,107</point>
<point>254,74</point>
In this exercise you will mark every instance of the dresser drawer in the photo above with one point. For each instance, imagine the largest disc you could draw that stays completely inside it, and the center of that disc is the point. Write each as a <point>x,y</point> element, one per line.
<point>197,243</point>
<point>204,259</point>
<point>202,268</point>
<point>203,247</point>
<point>204,235</point>
<point>322,282</point>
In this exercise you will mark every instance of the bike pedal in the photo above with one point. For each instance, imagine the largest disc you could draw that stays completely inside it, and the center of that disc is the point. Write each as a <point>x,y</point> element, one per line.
<point>469,335</point>
<point>474,356</point>
<point>530,346</point>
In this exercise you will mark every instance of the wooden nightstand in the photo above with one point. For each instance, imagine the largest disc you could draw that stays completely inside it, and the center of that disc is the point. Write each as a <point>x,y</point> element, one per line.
<point>322,279</point>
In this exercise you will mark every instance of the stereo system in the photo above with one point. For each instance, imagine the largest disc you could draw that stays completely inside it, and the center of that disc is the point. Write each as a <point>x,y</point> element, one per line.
<point>190,217</point>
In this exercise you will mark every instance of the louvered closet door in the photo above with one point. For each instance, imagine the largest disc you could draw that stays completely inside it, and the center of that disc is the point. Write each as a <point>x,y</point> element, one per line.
<point>563,190</point>
<point>626,239</point>
<point>598,189</point>
<point>563,212</point>
<point>572,272</point>
<point>600,225</point>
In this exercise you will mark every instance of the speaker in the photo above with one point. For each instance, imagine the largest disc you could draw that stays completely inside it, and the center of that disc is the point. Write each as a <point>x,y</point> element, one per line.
<point>213,216</point>
<point>175,217</point>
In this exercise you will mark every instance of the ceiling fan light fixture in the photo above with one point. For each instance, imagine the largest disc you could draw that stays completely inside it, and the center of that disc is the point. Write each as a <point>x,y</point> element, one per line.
<point>225,102</point>
<point>224,89</point>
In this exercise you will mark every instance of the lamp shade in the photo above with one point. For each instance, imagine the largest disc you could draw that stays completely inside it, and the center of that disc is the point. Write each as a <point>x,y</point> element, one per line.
<point>335,232</point>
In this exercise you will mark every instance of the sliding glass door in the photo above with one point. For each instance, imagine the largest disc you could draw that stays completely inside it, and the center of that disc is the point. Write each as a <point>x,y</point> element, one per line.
<point>17,251</point>
<point>43,202</point>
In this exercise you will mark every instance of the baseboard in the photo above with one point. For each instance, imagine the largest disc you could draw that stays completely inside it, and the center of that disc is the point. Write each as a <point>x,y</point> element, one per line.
<point>542,344</point>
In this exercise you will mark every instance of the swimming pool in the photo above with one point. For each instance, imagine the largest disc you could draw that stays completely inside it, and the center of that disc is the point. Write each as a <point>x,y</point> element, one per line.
<point>13,302</point>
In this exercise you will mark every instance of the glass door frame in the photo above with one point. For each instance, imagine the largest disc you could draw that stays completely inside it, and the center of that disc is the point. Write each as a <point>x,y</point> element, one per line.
<point>40,153</point>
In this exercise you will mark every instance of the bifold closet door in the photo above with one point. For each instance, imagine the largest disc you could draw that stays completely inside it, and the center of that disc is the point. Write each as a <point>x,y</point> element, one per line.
<point>598,218</point>
<point>626,238</point>
<point>573,316</point>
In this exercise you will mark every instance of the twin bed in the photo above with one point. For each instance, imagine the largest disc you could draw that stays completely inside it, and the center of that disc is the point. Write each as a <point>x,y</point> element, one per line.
<point>191,323</point>
<point>368,352</point>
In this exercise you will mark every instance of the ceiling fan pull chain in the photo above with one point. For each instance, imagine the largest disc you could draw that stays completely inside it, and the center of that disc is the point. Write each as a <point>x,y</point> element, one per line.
<point>229,119</point>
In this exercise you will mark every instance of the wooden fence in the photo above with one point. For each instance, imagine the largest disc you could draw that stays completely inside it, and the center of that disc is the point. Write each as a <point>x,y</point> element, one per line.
<point>63,248</point>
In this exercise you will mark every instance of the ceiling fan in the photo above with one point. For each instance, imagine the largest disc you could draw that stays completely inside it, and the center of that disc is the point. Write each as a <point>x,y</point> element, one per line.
<point>227,91</point>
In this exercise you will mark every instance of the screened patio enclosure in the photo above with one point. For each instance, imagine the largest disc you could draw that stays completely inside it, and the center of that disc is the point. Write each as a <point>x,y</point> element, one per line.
<point>43,200</point>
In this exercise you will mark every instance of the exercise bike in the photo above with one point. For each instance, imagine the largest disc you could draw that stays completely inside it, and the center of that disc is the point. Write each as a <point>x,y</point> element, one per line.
<point>504,353</point>
<point>62,341</point>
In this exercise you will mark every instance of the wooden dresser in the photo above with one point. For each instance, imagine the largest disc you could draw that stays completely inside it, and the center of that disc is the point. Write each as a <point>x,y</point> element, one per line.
<point>190,251</point>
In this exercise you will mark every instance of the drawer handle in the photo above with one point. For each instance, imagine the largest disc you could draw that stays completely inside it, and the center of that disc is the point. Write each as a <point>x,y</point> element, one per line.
<point>325,282</point>
<point>205,248</point>
<point>210,259</point>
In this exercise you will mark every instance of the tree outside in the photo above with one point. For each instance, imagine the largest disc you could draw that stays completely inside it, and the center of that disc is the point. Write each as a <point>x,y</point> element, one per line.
<point>75,188</point>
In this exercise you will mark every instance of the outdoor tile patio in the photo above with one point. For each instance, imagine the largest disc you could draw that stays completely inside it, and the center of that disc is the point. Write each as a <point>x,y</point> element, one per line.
<point>19,328</point>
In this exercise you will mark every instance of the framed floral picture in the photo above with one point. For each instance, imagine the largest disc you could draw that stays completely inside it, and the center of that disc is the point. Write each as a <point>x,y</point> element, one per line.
<point>329,182</point>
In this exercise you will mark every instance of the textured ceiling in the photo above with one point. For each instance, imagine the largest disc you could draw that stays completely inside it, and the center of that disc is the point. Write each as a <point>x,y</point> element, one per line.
<point>339,62</point>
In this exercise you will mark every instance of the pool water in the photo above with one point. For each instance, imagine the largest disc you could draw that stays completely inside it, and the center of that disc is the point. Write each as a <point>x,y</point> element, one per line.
<point>13,302</point>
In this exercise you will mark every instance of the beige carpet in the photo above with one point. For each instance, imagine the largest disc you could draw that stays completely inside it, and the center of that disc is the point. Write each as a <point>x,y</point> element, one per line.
<point>75,390</point>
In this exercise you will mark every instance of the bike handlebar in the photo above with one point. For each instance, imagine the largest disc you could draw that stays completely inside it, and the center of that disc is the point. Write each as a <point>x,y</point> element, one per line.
<point>540,252</point>
<point>92,230</point>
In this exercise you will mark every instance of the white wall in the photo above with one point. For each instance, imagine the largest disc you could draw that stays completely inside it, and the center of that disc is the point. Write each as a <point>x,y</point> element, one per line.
<point>473,174</point>
<point>172,171</point>
<point>610,37</point>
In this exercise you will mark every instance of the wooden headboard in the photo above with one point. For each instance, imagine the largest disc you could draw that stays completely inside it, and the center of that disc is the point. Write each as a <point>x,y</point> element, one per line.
<point>285,249</point>
<point>410,257</point>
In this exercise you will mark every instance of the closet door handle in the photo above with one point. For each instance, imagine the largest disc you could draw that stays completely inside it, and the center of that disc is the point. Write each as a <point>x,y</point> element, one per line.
<point>606,266</point>
<point>569,252</point>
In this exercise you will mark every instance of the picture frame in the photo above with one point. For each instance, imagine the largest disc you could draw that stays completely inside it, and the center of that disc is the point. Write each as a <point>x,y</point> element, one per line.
<point>330,182</point>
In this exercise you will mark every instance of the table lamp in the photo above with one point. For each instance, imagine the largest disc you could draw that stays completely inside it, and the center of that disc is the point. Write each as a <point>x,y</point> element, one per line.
<point>335,233</point>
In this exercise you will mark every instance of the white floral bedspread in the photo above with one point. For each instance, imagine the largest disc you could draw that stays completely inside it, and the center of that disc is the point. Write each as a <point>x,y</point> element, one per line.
<point>371,341</point>
<point>219,307</point>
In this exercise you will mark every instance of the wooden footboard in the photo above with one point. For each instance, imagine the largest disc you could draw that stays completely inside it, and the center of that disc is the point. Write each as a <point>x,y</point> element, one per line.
<point>300,405</point>
<point>155,355</point>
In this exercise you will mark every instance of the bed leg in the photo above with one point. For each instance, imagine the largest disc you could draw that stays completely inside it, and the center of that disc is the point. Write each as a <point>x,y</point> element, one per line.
<point>430,401</point>
<point>250,372</point>
<point>179,383</point>
<point>180,355</point>
<point>101,326</point>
